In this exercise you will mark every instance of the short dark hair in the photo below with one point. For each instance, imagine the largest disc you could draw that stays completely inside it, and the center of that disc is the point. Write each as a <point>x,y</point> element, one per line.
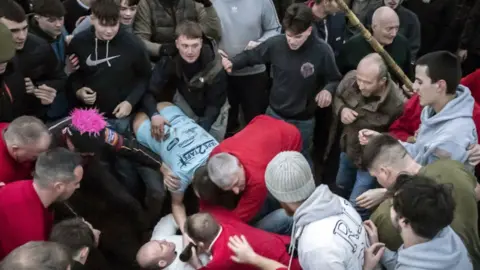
<point>131,2</point>
<point>202,227</point>
<point>74,233</point>
<point>190,29</point>
<point>12,11</point>
<point>57,164</point>
<point>48,8</point>
<point>37,256</point>
<point>298,18</point>
<point>106,11</point>
<point>442,65</point>
<point>382,147</point>
<point>427,207</point>
<point>211,193</point>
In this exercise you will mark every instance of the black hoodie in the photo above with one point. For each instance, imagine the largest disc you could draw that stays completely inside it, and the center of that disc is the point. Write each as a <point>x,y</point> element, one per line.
<point>14,101</point>
<point>117,70</point>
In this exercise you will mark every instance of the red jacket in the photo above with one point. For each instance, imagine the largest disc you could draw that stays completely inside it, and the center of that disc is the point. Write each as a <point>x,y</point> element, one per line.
<point>255,146</point>
<point>10,169</point>
<point>23,218</point>
<point>269,245</point>
<point>472,81</point>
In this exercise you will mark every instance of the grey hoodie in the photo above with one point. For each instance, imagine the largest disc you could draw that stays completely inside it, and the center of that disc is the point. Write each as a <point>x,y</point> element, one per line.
<point>243,21</point>
<point>445,251</point>
<point>446,134</point>
<point>329,232</point>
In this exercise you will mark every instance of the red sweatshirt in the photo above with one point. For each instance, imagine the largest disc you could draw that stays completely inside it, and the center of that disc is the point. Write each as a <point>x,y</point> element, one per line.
<point>269,245</point>
<point>255,146</point>
<point>472,81</point>
<point>10,169</point>
<point>22,216</point>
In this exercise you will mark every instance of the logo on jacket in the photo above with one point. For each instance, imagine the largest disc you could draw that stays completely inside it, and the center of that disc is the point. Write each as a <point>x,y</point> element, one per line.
<point>307,70</point>
<point>92,63</point>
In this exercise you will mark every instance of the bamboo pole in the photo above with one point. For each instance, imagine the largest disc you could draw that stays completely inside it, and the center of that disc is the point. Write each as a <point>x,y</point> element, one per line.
<point>377,47</point>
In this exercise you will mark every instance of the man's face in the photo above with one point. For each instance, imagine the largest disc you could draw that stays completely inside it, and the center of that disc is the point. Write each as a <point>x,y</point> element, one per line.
<point>238,182</point>
<point>386,30</point>
<point>50,25</point>
<point>427,91</point>
<point>66,189</point>
<point>19,32</point>
<point>104,31</point>
<point>30,153</point>
<point>165,251</point>
<point>368,81</point>
<point>189,49</point>
<point>3,67</point>
<point>127,13</point>
<point>393,4</point>
<point>295,41</point>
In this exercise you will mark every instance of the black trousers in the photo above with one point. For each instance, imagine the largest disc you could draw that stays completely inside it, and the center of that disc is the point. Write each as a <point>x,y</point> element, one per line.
<point>251,93</point>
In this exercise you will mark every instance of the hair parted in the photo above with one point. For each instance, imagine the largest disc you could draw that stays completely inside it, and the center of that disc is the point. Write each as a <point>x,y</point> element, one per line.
<point>298,18</point>
<point>107,12</point>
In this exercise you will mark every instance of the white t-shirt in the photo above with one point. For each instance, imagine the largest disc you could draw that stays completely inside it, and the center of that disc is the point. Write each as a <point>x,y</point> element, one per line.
<point>165,230</point>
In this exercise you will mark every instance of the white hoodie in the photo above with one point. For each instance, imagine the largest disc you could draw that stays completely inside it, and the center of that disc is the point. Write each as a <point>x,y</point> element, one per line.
<point>329,233</point>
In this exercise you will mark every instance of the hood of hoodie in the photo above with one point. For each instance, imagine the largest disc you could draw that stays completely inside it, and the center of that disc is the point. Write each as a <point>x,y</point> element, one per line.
<point>445,251</point>
<point>321,204</point>
<point>459,107</point>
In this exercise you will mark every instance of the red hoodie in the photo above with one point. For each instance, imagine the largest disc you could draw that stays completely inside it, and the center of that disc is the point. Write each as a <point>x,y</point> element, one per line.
<point>10,169</point>
<point>269,245</point>
<point>23,218</point>
<point>255,146</point>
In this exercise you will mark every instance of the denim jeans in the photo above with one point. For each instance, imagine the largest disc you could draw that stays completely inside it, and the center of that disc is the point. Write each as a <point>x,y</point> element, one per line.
<point>272,218</point>
<point>306,128</point>
<point>352,182</point>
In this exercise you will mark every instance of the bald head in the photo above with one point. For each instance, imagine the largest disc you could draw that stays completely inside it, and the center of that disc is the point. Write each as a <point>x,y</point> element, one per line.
<point>148,255</point>
<point>202,227</point>
<point>373,63</point>
<point>385,24</point>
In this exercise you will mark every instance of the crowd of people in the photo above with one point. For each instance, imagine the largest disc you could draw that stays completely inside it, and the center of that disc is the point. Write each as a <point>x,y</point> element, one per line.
<point>239,134</point>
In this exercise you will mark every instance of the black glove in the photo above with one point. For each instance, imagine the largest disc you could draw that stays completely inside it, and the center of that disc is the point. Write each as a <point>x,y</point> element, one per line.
<point>205,3</point>
<point>168,49</point>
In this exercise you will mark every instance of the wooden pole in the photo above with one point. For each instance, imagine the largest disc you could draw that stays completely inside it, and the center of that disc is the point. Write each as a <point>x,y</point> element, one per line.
<point>377,47</point>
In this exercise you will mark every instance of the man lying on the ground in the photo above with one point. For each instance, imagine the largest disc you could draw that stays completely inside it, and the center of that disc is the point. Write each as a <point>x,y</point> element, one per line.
<point>185,146</point>
<point>164,247</point>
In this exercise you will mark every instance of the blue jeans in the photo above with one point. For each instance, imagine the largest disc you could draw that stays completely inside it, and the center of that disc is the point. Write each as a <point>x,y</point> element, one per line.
<point>353,182</point>
<point>305,127</point>
<point>272,218</point>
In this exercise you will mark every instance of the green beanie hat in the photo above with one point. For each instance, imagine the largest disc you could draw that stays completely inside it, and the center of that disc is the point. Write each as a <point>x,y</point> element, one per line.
<point>7,47</point>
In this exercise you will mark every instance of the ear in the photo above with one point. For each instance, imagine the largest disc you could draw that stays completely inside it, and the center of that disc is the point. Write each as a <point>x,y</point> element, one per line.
<point>176,44</point>
<point>201,245</point>
<point>442,85</point>
<point>309,30</point>
<point>162,263</point>
<point>84,252</point>
<point>58,186</point>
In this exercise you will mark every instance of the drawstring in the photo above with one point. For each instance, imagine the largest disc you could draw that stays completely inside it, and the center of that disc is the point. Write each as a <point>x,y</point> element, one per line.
<point>291,248</point>
<point>96,49</point>
<point>106,57</point>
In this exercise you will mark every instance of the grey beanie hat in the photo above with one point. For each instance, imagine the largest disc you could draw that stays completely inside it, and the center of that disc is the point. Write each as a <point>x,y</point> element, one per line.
<point>289,178</point>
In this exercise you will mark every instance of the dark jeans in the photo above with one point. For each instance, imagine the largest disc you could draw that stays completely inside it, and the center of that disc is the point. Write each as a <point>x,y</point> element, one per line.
<point>272,218</point>
<point>305,127</point>
<point>353,182</point>
<point>251,93</point>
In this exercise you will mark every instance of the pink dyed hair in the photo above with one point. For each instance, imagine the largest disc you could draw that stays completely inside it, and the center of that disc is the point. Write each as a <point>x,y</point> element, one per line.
<point>89,121</point>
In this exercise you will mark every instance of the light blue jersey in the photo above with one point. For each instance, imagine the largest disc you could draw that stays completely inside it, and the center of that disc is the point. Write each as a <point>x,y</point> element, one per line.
<point>184,147</point>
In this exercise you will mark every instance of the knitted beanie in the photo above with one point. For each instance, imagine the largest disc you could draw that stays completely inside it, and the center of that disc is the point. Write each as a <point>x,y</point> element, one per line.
<point>289,178</point>
<point>7,47</point>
